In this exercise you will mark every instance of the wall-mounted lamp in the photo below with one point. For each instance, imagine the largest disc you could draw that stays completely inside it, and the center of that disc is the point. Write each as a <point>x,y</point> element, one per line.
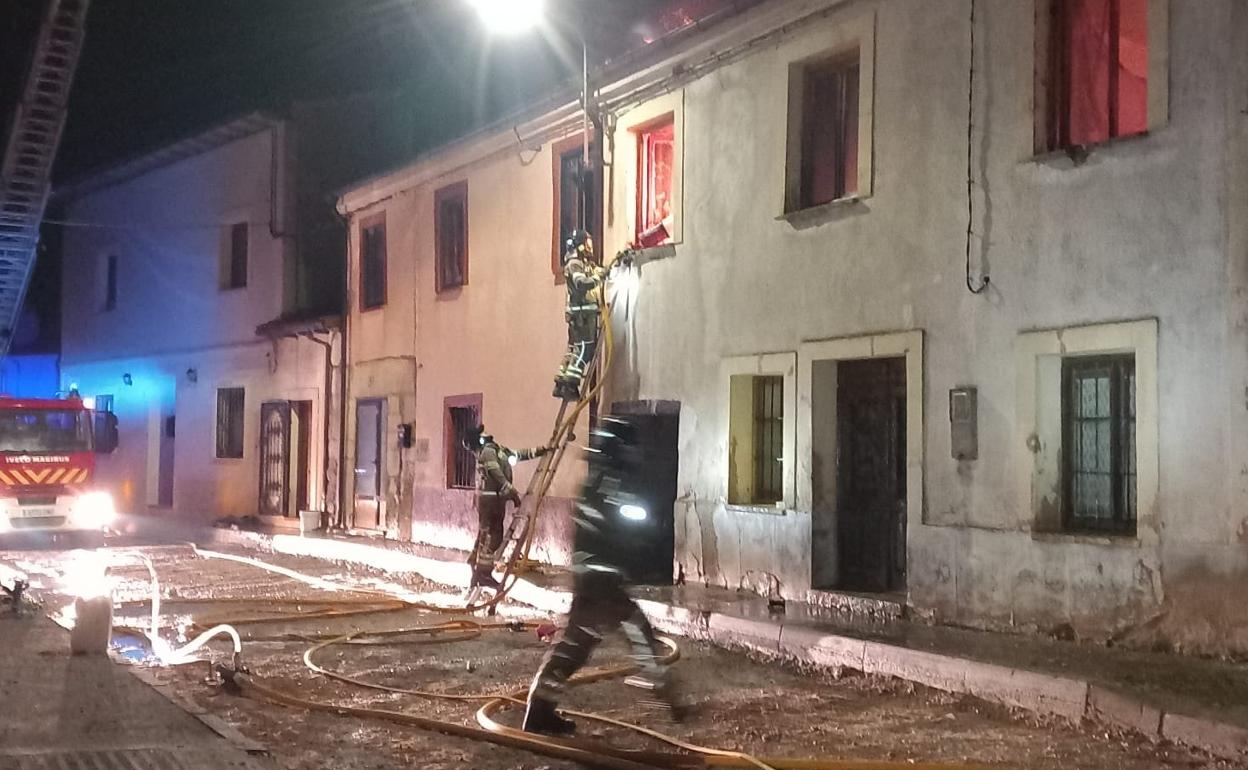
<point>126,378</point>
<point>192,374</point>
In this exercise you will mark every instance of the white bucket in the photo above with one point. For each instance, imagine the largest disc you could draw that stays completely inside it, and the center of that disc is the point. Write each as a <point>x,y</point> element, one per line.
<point>93,625</point>
<point>309,522</point>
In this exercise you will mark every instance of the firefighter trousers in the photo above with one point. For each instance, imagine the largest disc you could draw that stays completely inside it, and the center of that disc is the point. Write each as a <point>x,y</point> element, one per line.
<point>491,511</point>
<point>599,606</point>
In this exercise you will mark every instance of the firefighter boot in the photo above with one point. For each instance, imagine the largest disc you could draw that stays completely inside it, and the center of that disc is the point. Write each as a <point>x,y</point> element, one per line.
<point>542,717</point>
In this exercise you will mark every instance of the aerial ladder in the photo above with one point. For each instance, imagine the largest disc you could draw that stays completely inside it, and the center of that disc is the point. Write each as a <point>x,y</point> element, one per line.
<point>26,173</point>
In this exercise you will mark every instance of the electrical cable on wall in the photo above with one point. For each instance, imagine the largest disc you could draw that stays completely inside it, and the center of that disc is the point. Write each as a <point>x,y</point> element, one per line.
<point>970,173</point>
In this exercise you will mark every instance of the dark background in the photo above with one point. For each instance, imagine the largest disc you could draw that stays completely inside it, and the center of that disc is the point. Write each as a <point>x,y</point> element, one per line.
<point>153,71</point>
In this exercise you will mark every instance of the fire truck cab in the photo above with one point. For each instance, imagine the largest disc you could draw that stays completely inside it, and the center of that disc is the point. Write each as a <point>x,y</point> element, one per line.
<point>47,464</point>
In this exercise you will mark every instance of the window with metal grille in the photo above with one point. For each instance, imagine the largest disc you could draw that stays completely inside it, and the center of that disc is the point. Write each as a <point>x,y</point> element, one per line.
<point>1098,61</point>
<point>656,158</point>
<point>234,265</point>
<point>373,262</point>
<point>825,155</point>
<point>1098,442</point>
<point>574,187</point>
<point>451,236</point>
<point>230,402</point>
<point>463,413</point>
<point>768,439</point>
<point>110,283</point>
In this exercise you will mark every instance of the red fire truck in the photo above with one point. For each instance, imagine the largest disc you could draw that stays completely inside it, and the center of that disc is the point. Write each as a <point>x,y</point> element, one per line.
<point>47,461</point>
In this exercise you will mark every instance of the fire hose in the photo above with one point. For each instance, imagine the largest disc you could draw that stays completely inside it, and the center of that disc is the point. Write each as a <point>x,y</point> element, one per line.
<point>594,753</point>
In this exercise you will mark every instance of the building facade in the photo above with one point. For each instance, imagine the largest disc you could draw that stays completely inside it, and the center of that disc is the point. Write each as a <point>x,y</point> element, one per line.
<point>456,316</point>
<point>199,321</point>
<point>942,304</point>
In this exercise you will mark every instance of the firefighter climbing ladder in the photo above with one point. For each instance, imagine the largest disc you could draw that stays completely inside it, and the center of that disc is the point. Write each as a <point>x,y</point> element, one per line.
<point>26,176</point>
<point>512,556</point>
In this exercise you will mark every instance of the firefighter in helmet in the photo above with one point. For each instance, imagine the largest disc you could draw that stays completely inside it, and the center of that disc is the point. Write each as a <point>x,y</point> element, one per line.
<point>609,519</point>
<point>494,490</point>
<point>584,280</point>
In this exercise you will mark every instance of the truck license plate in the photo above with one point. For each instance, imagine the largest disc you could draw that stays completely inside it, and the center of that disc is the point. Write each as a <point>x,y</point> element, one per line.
<point>33,513</point>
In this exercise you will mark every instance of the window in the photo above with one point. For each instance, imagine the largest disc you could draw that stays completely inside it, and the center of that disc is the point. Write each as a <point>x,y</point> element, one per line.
<point>1098,443</point>
<point>110,283</point>
<point>373,262</point>
<point>451,236</point>
<point>823,145</point>
<point>230,423</point>
<point>575,192</point>
<point>462,414</point>
<point>1097,84</point>
<point>757,439</point>
<point>234,260</point>
<point>102,413</point>
<point>768,439</point>
<point>656,156</point>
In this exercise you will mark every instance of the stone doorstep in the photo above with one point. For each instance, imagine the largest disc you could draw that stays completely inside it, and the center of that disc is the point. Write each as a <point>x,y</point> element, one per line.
<point>1072,699</point>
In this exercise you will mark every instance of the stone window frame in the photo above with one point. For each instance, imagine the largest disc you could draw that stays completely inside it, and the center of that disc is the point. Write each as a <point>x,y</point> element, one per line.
<point>1038,438</point>
<point>625,165</point>
<point>762,364</point>
<point>909,345</point>
<point>836,40</point>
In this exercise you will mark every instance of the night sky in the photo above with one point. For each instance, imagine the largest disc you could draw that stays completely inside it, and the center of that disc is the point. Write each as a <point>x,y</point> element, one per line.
<point>154,71</point>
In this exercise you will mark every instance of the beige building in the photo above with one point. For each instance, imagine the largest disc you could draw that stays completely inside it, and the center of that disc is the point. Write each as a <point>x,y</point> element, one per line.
<point>455,316</point>
<point>949,306</point>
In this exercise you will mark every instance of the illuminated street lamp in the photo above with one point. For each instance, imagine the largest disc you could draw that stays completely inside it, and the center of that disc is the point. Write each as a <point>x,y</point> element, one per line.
<point>513,17</point>
<point>510,17</point>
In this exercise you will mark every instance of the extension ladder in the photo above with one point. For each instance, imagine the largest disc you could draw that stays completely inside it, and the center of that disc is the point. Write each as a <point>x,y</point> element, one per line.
<point>26,173</point>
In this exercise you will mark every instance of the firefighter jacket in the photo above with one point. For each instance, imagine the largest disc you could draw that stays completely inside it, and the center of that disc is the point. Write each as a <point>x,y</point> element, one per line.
<point>494,463</point>
<point>584,281</point>
<point>607,538</point>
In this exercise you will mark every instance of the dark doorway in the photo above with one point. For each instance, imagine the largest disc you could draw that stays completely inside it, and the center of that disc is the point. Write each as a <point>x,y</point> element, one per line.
<point>871,474</point>
<point>651,556</point>
<point>274,458</point>
<point>370,421</point>
<point>165,491</point>
<point>301,447</point>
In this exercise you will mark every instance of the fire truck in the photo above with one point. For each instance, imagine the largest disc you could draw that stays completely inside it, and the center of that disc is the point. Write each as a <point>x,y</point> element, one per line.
<point>47,465</point>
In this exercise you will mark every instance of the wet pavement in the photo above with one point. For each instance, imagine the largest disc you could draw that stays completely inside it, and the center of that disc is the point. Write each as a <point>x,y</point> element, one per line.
<point>741,702</point>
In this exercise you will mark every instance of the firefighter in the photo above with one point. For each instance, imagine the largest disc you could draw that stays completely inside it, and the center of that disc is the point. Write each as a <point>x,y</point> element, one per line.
<point>608,518</point>
<point>584,280</point>
<point>494,490</point>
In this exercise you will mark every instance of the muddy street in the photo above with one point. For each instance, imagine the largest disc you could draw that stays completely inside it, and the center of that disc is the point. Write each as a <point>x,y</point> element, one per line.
<point>740,703</point>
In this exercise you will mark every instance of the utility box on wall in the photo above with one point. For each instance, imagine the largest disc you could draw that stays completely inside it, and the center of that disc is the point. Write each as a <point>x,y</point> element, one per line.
<point>964,423</point>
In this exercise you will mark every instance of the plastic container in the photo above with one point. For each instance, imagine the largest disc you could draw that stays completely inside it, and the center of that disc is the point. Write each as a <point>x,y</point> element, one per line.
<point>93,625</point>
<point>309,522</point>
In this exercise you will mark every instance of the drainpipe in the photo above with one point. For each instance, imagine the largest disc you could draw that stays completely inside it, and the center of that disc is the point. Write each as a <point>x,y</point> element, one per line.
<point>328,345</point>
<point>344,381</point>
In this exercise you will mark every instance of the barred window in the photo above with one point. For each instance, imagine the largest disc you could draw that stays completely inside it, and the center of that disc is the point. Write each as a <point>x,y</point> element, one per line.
<point>1099,444</point>
<point>230,403</point>
<point>768,439</point>
<point>463,413</point>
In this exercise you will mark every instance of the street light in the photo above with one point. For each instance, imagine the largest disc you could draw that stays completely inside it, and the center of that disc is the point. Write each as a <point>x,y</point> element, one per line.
<point>510,17</point>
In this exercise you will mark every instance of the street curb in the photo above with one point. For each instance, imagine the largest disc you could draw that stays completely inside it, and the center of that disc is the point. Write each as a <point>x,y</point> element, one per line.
<point>1071,699</point>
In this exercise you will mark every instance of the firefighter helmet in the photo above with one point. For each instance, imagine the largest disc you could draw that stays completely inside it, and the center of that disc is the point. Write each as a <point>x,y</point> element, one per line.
<point>475,438</point>
<point>579,244</point>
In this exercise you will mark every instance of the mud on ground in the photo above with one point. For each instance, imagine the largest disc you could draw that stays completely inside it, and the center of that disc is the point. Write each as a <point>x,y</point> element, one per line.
<point>740,703</point>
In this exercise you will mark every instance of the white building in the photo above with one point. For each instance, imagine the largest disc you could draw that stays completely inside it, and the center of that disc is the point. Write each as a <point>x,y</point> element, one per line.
<point>1034,424</point>
<point>194,312</point>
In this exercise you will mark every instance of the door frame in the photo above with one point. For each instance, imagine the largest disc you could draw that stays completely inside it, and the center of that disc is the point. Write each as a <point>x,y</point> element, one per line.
<point>380,499</point>
<point>905,344</point>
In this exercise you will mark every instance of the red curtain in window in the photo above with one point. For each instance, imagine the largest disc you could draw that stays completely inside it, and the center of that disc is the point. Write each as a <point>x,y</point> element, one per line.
<point>1108,59</point>
<point>658,152</point>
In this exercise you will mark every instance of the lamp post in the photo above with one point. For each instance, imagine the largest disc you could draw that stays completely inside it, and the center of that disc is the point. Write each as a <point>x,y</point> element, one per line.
<point>513,17</point>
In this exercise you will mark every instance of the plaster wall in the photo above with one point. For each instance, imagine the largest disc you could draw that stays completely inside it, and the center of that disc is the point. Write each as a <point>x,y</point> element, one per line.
<point>501,335</point>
